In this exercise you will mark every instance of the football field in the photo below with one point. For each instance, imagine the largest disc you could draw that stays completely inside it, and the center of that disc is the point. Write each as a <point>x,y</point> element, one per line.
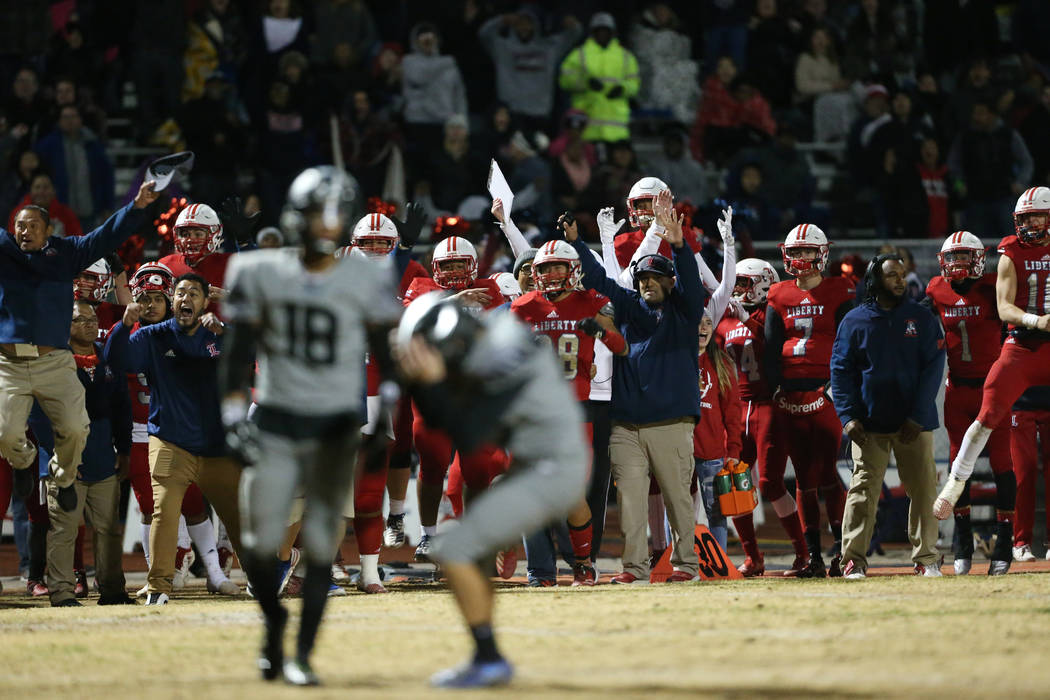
<point>971,636</point>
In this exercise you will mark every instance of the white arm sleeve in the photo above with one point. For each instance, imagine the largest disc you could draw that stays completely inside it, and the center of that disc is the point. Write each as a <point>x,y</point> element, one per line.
<point>716,305</point>
<point>518,244</point>
<point>611,264</point>
<point>708,277</point>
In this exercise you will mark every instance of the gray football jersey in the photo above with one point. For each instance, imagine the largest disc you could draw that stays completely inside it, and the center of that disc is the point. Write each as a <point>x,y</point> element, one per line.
<point>312,340</point>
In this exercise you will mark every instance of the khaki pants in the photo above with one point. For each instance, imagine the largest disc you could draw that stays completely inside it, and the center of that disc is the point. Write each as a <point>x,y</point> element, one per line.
<point>918,476</point>
<point>52,381</point>
<point>99,502</point>
<point>666,450</point>
<point>171,470</point>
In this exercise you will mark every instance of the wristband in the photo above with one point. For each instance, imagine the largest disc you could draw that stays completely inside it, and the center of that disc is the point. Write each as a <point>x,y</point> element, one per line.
<point>1029,320</point>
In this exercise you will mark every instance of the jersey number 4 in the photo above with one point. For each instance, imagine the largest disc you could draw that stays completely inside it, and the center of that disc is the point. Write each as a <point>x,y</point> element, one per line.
<point>746,362</point>
<point>311,334</point>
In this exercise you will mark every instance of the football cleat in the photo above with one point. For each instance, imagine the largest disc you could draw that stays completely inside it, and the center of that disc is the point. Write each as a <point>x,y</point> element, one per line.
<point>944,505</point>
<point>339,573</point>
<point>1023,553</point>
<point>752,568</point>
<point>226,560</point>
<point>285,569</point>
<point>506,563</point>
<point>299,673</point>
<point>183,561</point>
<point>423,550</point>
<point>336,591</point>
<point>476,674</point>
<point>798,565</point>
<point>931,571</point>
<point>852,572</point>
<point>962,566</point>
<point>118,598</point>
<point>224,587</point>
<point>835,569</point>
<point>543,583</point>
<point>157,599</point>
<point>583,575</point>
<point>37,589</point>
<point>998,567</point>
<point>271,657</point>
<point>80,590</point>
<point>627,578</point>
<point>814,568</point>
<point>394,533</point>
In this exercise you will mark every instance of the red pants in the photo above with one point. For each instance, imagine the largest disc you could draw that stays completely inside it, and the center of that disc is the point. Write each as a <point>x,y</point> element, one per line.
<point>435,457</point>
<point>192,502</point>
<point>1020,365</point>
<point>476,471</point>
<point>761,449</point>
<point>1029,431</point>
<point>401,450</point>
<point>962,404</point>
<point>806,423</point>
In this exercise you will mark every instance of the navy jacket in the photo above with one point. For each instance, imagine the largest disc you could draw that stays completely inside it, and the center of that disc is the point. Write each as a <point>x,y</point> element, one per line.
<point>182,373</point>
<point>36,289</point>
<point>887,366</point>
<point>658,378</point>
<point>108,408</point>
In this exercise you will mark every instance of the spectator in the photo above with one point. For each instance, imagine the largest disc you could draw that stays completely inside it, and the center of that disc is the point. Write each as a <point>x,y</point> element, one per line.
<point>343,27</point>
<point>822,91</point>
<point>656,395</point>
<point>66,93</point>
<point>215,44</point>
<point>17,178</point>
<point>886,367</point>
<point>669,75</point>
<point>158,44</point>
<point>601,76</point>
<point>36,290</point>
<point>573,124</point>
<point>813,15</point>
<point>725,32</point>
<point>867,140</point>
<point>754,218</point>
<point>71,57</point>
<point>83,174</point>
<point>573,180</point>
<point>42,194</point>
<point>185,427</point>
<point>285,148</point>
<point>25,108</point>
<point>976,87</point>
<point>787,184</point>
<point>453,172</point>
<point>104,464</point>
<point>337,79</point>
<point>770,53</point>
<point>216,136</point>
<point>432,88</point>
<point>527,62</point>
<point>675,166</point>
<point>530,176</point>
<point>873,40</point>
<point>929,100</point>
<point>733,118</point>
<point>990,165</point>
<point>386,74</point>
<point>934,176</point>
<point>495,133</point>
<point>372,148</point>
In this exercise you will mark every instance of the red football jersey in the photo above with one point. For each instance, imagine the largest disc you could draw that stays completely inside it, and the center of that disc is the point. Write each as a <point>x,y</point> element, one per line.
<point>745,341</point>
<point>972,328</point>
<point>557,321</point>
<point>1032,265</point>
<point>424,285</point>
<point>211,268</point>
<point>412,271</point>
<point>626,243</point>
<point>108,315</point>
<point>809,324</point>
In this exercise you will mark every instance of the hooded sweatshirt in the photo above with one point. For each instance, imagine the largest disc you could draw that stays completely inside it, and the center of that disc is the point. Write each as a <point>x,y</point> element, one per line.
<point>431,84</point>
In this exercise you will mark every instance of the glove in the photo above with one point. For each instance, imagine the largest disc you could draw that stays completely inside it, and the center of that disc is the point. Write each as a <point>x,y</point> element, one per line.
<point>615,93</point>
<point>607,228</point>
<point>242,440</point>
<point>725,227</point>
<point>595,84</point>
<point>590,327</point>
<point>234,220</point>
<point>410,229</point>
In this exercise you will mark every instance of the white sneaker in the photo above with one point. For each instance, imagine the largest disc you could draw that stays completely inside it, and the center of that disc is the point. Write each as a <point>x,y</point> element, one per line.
<point>1024,553</point>
<point>931,571</point>
<point>339,573</point>
<point>962,566</point>
<point>998,567</point>
<point>394,532</point>
<point>224,587</point>
<point>183,561</point>
<point>157,599</point>
<point>852,573</point>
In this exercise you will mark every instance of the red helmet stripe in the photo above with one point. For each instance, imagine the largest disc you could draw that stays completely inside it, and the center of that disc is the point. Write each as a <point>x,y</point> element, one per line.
<point>802,232</point>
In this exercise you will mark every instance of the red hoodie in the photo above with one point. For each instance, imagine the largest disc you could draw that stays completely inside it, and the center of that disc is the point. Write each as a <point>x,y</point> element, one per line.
<point>717,435</point>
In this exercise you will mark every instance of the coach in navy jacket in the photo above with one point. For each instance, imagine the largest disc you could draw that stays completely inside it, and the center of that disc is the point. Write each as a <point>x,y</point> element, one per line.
<point>656,392</point>
<point>886,367</point>
<point>36,293</point>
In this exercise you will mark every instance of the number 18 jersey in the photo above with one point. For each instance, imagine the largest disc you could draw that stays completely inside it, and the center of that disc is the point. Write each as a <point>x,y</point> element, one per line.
<point>972,329</point>
<point>311,326</point>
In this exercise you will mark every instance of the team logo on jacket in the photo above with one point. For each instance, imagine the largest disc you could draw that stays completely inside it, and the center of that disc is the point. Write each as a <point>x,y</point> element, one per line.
<point>705,384</point>
<point>212,350</point>
<point>910,329</point>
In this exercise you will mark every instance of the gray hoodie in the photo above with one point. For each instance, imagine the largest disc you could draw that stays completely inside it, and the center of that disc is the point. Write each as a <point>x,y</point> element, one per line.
<point>431,84</point>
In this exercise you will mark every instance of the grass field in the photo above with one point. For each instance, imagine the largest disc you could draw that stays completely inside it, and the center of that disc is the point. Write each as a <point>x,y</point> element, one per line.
<point>890,635</point>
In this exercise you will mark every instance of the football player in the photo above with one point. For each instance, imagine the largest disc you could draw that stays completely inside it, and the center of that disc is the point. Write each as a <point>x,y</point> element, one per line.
<point>964,299</point>
<point>801,318</point>
<point>198,249</point>
<point>94,284</point>
<point>745,343</point>
<point>306,314</point>
<point>477,377</point>
<point>1022,295</point>
<point>641,203</point>
<point>570,320</point>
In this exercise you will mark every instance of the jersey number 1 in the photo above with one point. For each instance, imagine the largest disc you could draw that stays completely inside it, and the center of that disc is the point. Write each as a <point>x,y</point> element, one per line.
<point>1033,295</point>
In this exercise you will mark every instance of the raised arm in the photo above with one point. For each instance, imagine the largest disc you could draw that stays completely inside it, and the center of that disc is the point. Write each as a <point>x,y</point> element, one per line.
<point>114,230</point>
<point>721,295</point>
<point>126,352</point>
<point>518,244</point>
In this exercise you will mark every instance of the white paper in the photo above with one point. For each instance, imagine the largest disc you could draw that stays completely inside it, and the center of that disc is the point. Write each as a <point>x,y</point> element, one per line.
<point>499,189</point>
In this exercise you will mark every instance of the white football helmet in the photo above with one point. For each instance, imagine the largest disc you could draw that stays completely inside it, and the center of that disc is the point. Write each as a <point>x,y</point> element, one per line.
<point>508,285</point>
<point>203,217</point>
<point>1034,200</point>
<point>450,250</point>
<point>805,236</point>
<point>557,251</point>
<point>375,235</point>
<point>152,277</point>
<point>94,284</point>
<point>646,188</point>
<point>754,277</point>
<point>961,256</point>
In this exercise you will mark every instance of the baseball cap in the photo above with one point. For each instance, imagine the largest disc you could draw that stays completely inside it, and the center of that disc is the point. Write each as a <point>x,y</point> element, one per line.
<point>164,169</point>
<point>603,19</point>
<point>875,91</point>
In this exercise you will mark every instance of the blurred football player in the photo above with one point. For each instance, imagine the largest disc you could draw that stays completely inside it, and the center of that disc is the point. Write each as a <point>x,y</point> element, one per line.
<point>963,296</point>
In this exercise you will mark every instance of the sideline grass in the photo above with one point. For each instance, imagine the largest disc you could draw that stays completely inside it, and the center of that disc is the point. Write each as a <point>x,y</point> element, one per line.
<point>960,637</point>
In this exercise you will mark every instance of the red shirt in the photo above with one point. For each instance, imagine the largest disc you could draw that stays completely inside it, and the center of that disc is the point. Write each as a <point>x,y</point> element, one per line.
<point>744,343</point>
<point>59,212</point>
<point>412,271</point>
<point>935,182</point>
<point>424,285</point>
<point>809,324</point>
<point>972,329</point>
<point>108,315</point>
<point>1032,265</point>
<point>557,322</point>
<point>626,243</point>
<point>717,435</point>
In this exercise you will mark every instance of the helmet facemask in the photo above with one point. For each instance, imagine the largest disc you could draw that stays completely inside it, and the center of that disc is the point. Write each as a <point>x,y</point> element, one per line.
<point>460,279</point>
